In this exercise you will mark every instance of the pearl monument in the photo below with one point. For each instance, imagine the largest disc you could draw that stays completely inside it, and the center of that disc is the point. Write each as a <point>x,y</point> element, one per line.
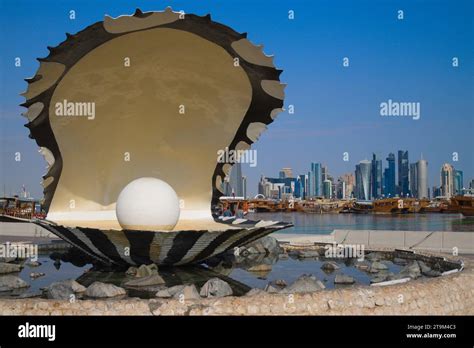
<point>148,134</point>
<point>148,204</point>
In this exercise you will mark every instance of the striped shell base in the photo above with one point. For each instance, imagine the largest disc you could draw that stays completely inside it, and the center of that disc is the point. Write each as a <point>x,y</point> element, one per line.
<point>127,247</point>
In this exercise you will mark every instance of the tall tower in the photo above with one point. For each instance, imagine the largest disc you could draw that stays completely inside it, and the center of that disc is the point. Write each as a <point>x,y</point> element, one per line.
<point>261,185</point>
<point>413,179</point>
<point>458,182</point>
<point>324,174</point>
<point>316,180</point>
<point>235,180</point>
<point>327,188</point>
<point>403,173</point>
<point>303,186</point>
<point>447,180</point>
<point>349,180</point>
<point>376,177</point>
<point>389,176</point>
<point>362,174</point>
<point>310,186</point>
<point>286,173</point>
<point>422,179</point>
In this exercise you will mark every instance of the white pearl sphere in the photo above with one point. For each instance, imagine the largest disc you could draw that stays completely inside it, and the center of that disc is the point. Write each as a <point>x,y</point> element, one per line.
<point>147,204</point>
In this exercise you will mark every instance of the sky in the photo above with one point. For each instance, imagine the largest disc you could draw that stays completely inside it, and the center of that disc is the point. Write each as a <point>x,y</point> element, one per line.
<point>336,108</point>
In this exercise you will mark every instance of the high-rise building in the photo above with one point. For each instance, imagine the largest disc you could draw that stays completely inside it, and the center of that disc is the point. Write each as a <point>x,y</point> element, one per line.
<point>303,184</point>
<point>349,178</point>
<point>340,188</point>
<point>315,180</point>
<point>261,185</point>
<point>298,190</point>
<point>310,185</point>
<point>226,188</point>
<point>345,186</point>
<point>376,177</point>
<point>458,182</point>
<point>436,191</point>
<point>324,173</point>
<point>413,180</point>
<point>235,181</point>
<point>447,180</point>
<point>403,173</point>
<point>422,179</point>
<point>333,186</point>
<point>362,176</point>
<point>269,189</point>
<point>286,173</point>
<point>389,177</point>
<point>281,188</point>
<point>327,188</point>
<point>244,186</point>
<point>306,187</point>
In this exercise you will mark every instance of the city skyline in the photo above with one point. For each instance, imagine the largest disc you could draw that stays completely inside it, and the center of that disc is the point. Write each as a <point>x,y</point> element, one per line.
<point>368,181</point>
<point>433,176</point>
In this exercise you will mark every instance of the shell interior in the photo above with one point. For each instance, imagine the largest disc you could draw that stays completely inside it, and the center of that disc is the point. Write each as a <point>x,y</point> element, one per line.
<point>154,94</point>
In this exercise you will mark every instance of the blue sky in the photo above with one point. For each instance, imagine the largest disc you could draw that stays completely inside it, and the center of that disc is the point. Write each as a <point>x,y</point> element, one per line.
<point>336,107</point>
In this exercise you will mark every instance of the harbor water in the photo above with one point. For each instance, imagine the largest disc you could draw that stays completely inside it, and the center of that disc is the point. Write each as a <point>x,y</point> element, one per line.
<point>314,223</point>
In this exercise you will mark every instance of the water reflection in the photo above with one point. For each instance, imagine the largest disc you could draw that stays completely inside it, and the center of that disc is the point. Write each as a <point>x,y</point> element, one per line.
<point>197,275</point>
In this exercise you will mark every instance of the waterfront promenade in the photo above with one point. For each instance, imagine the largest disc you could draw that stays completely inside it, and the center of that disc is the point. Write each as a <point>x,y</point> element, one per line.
<point>25,232</point>
<point>436,241</point>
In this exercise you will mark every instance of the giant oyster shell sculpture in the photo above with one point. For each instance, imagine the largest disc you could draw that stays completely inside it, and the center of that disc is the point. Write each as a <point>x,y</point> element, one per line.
<point>160,94</point>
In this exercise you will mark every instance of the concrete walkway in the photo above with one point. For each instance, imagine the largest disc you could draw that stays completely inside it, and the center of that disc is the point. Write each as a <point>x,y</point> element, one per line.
<point>25,232</point>
<point>439,241</point>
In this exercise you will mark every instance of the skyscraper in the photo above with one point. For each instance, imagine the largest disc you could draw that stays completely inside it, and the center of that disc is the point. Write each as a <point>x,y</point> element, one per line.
<point>349,180</point>
<point>261,185</point>
<point>286,173</point>
<point>447,180</point>
<point>303,182</point>
<point>244,186</point>
<point>362,174</point>
<point>345,186</point>
<point>341,188</point>
<point>389,176</point>
<point>327,188</point>
<point>316,183</point>
<point>422,179</point>
<point>413,179</point>
<point>324,174</point>
<point>458,182</point>
<point>310,185</point>
<point>333,186</point>
<point>403,173</point>
<point>376,177</point>
<point>235,180</point>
